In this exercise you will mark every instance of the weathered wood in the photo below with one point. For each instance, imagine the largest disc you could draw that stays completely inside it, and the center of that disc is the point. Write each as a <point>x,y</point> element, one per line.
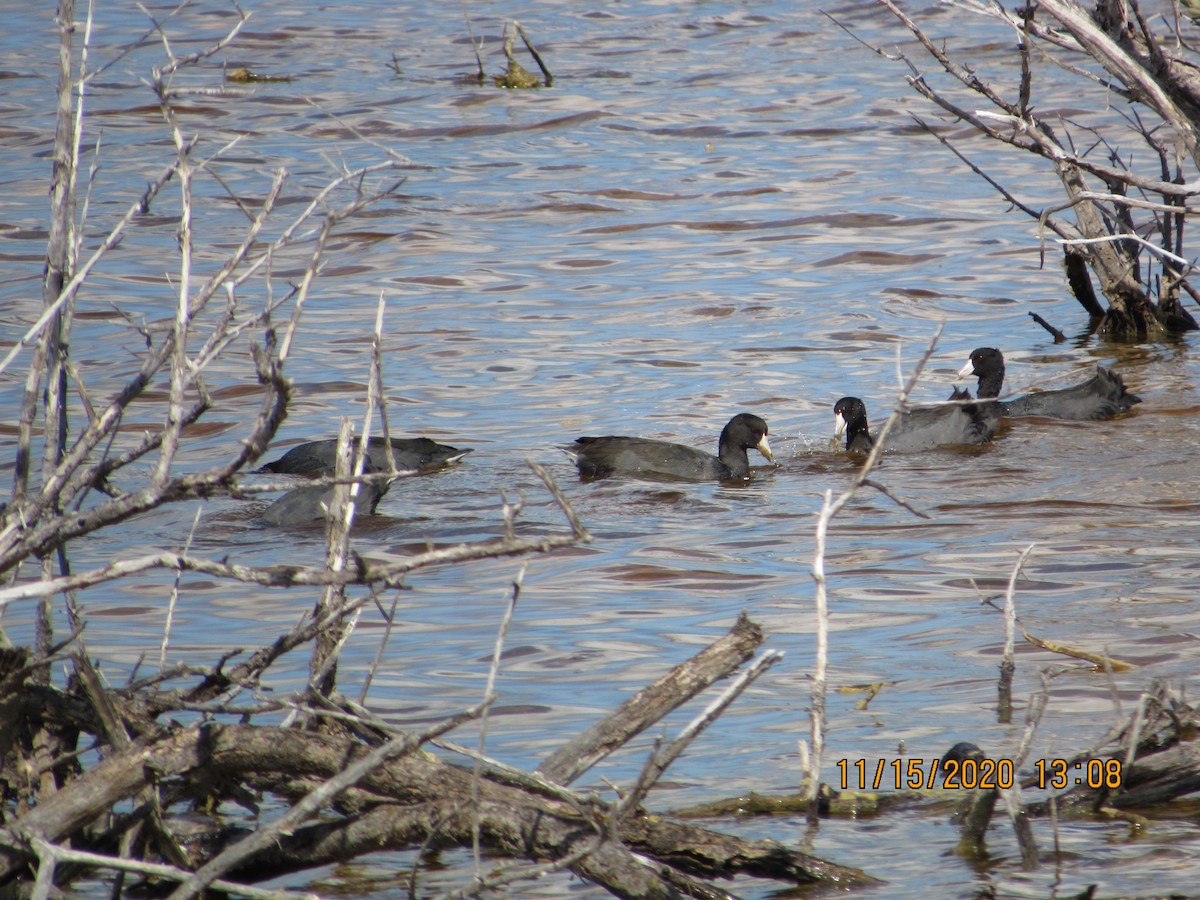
<point>651,703</point>
<point>417,798</point>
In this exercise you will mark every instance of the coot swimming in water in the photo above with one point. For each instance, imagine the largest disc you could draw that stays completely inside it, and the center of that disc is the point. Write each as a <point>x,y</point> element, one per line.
<point>918,429</point>
<point>599,457</point>
<point>319,457</point>
<point>1102,396</point>
<point>311,503</point>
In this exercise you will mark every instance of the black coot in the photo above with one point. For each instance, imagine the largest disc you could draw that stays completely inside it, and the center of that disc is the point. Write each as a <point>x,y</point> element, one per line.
<point>1100,397</point>
<point>318,458</point>
<point>599,457</point>
<point>310,503</point>
<point>919,429</point>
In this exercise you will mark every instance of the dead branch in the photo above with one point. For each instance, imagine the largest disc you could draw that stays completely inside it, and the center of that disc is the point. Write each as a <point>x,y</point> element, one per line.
<point>388,797</point>
<point>649,705</point>
<point>1107,238</point>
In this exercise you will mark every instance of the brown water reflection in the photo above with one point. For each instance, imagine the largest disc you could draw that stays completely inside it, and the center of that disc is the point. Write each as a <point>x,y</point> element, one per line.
<point>668,236</point>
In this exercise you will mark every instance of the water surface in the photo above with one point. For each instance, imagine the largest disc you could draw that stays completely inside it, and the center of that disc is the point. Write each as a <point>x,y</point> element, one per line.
<point>718,207</point>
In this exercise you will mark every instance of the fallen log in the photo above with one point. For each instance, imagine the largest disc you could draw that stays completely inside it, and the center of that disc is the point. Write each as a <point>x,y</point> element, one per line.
<point>389,797</point>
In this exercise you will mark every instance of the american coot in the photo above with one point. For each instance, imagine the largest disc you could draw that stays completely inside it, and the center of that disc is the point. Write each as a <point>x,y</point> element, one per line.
<point>919,429</point>
<point>1100,397</point>
<point>599,457</point>
<point>319,457</point>
<point>311,503</point>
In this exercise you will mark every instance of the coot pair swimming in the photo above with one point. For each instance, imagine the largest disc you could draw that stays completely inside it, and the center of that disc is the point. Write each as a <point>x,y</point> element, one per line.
<point>1102,396</point>
<point>600,457</point>
<point>318,459</point>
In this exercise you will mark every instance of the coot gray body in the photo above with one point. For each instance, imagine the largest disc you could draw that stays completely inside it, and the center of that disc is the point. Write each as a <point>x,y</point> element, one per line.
<point>308,504</point>
<point>600,457</point>
<point>1102,396</point>
<point>316,458</point>
<point>919,429</point>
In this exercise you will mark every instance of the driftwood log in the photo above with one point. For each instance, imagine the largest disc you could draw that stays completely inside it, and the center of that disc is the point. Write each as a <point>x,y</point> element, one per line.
<point>391,795</point>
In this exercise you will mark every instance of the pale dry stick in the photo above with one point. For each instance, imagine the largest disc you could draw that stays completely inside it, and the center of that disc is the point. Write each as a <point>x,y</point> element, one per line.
<point>474,46</point>
<point>1149,245</point>
<point>389,619</point>
<point>377,385</point>
<point>310,273</point>
<point>177,62</point>
<point>59,853</point>
<point>266,487</point>
<point>1111,680</point>
<point>295,576</point>
<point>338,521</point>
<point>502,876</point>
<point>59,244</point>
<point>1008,665</point>
<point>43,883</point>
<point>374,383</point>
<point>489,694</point>
<point>1135,730</point>
<point>312,802</point>
<point>660,760</point>
<point>579,531</point>
<point>76,240</point>
<point>982,802</point>
<point>506,774</point>
<point>1012,794</point>
<point>183,315</point>
<point>1042,143</point>
<point>162,650</point>
<point>390,574</point>
<point>829,509</point>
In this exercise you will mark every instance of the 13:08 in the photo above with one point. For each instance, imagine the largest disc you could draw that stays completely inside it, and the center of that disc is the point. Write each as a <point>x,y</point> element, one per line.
<point>1095,773</point>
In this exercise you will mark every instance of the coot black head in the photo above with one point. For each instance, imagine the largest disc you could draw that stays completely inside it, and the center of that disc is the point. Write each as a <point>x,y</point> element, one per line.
<point>600,457</point>
<point>986,363</point>
<point>850,419</point>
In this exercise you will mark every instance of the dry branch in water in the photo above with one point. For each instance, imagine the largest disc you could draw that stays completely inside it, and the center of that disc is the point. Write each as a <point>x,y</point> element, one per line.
<point>392,796</point>
<point>1130,224</point>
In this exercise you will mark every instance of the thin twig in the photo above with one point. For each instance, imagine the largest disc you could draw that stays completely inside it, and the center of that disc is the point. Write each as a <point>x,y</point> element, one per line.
<point>489,693</point>
<point>166,639</point>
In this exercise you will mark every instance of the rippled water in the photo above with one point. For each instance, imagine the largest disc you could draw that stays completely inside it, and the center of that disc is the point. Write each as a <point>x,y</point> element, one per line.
<point>717,207</point>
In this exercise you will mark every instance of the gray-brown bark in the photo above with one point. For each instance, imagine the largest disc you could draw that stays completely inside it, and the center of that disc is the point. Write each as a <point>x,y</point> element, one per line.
<point>651,703</point>
<point>416,799</point>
